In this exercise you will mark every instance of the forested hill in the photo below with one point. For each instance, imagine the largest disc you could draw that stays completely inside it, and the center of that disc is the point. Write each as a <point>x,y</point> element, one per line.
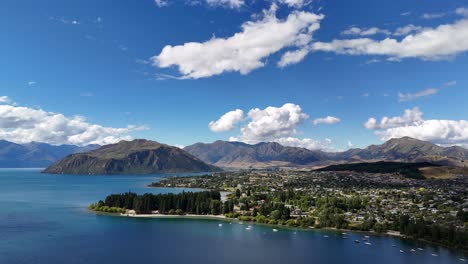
<point>410,170</point>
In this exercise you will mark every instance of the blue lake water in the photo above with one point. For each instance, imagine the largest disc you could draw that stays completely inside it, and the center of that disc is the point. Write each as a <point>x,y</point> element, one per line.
<point>43,219</point>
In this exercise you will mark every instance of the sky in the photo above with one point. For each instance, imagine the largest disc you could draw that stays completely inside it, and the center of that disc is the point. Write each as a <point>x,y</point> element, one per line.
<point>319,74</point>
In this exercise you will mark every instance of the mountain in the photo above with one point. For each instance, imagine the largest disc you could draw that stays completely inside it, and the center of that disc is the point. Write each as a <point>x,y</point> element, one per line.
<point>265,154</point>
<point>130,157</point>
<point>406,149</point>
<point>35,154</point>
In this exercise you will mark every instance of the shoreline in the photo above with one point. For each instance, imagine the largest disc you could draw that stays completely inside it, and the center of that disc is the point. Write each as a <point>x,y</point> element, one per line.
<point>394,234</point>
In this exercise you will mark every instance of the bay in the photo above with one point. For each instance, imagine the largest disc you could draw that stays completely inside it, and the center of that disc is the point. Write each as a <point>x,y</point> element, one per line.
<point>43,219</point>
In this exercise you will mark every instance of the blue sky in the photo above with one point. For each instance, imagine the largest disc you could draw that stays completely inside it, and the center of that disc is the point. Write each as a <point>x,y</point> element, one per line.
<point>104,62</point>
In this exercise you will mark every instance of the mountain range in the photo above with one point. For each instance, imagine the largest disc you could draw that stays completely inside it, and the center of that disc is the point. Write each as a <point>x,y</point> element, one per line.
<point>35,154</point>
<point>227,154</point>
<point>130,157</point>
<point>406,149</point>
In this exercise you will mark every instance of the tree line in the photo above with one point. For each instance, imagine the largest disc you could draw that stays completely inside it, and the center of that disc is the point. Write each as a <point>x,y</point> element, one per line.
<point>206,202</point>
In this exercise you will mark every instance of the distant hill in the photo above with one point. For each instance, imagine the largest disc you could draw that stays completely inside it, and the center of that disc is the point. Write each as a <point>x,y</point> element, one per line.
<point>131,157</point>
<point>268,154</point>
<point>406,149</point>
<point>409,170</point>
<point>35,154</point>
<point>237,154</point>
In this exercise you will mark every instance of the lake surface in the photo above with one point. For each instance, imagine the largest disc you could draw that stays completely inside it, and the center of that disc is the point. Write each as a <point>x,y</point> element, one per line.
<point>43,219</point>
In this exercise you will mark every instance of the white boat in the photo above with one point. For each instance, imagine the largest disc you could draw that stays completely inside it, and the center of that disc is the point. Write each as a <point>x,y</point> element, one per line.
<point>368,243</point>
<point>413,250</point>
<point>462,259</point>
<point>275,230</point>
<point>325,236</point>
<point>248,228</point>
<point>401,251</point>
<point>434,255</point>
<point>220,225</point>
<point>420,249</point>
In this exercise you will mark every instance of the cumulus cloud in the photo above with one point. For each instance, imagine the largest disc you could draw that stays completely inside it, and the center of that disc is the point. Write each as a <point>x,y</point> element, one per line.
<point>411,124</point>
<point>356,31</point>
<point>271,124</point>
<point>441,42</point>
<point>244,51</point>
<point>410,117</point>
<point>23,124</point>
<point>326,120</point>
<point>227,121</point>
<point>403,97</point>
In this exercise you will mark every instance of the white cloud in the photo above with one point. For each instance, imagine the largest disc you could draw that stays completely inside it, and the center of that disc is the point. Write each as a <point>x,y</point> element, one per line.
<point>403,97</point>
<point>32,83</point>
<point>244,51</point>
<point>405,30</point>
<point>161,3</point>
<point>5,100</point>
<point>365,31</point>
<point>272,123</point>
<point>433,15</point>
<point>442,132</point>
<point>442,42</point>
<point>227,3</point>
<point>410,117</point>
<point>307,143</point>
<point>294,3</point>
<point>326,120</point>
<point>278,124</point>
<point>227,121</point>
<point>350,144</point>
<point>23,124</point>
<point>292,57</point>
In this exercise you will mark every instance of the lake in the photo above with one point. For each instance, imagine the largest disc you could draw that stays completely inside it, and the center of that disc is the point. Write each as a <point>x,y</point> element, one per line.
<point>43,219</point>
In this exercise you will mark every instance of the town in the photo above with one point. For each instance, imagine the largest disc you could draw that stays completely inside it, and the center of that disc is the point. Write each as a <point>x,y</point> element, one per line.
<point>431,209</point>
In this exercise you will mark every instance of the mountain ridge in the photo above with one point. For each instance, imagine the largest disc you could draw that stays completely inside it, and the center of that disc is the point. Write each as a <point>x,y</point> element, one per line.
<point>35,154</point>
<point>130,157</point>
<point>264,154</point>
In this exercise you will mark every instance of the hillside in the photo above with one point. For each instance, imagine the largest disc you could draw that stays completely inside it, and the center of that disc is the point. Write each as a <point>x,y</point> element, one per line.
<point>409,170</point>
<point>130,157</point>
<point>237,154</point>
<point>35,154</point>
<point>406,149</point>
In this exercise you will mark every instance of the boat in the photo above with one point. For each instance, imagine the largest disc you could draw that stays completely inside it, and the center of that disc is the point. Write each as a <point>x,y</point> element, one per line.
<point>401,251</point>
<point>420,249</point>
<point>220,225</point>
<point>368,243</point>
<point>275,230</point>
<point>248,228</point>
<point>357,241</point>
<point>434,255</point>
<point>462,259</point>
<point>413,250</point>
<point>325,236</point>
